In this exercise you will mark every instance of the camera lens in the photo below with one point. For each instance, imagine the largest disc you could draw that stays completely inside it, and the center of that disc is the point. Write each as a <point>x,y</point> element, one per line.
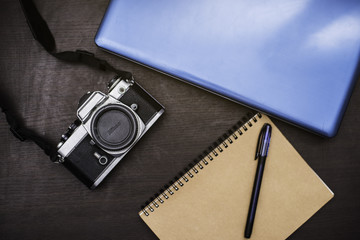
<point>114,127</point>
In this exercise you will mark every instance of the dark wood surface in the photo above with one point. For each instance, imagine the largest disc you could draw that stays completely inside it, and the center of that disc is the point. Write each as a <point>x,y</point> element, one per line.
<point>42,200</point>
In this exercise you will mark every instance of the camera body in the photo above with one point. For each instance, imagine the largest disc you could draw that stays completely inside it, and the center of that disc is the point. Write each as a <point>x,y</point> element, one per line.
<point>107,127</point>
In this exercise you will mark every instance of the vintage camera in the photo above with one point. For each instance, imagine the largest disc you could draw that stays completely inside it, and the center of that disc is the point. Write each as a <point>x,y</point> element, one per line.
<point>108,126</point>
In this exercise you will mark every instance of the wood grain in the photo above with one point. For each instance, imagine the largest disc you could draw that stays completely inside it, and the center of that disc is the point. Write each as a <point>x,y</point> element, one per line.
<point>41,200</point>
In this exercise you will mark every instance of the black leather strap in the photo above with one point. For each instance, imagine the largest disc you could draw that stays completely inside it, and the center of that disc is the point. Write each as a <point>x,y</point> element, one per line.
<point>43,35</point>
<point>23,133</point>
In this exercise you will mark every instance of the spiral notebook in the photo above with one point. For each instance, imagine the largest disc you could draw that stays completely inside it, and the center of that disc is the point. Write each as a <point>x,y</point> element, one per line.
<point>211,200</point>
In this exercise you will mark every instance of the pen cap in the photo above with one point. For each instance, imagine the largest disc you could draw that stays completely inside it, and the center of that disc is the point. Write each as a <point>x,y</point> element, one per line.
<point>263,141</point>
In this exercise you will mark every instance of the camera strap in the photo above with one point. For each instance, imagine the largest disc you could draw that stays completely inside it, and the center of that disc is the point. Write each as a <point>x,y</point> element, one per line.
<point>43,35</point>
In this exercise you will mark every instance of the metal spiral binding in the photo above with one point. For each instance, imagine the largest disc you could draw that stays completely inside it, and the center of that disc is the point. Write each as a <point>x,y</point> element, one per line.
<point>200,163</point>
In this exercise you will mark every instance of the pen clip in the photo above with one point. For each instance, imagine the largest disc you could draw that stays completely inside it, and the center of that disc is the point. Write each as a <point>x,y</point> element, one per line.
<point>260,141</point>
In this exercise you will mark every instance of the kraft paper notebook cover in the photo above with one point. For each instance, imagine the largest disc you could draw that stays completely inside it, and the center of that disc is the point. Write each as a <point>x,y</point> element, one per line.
<point>211,200</point>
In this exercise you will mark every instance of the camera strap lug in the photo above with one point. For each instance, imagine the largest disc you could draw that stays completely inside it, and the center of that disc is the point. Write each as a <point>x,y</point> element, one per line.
<point>59,159</point>
<point>131,81</point>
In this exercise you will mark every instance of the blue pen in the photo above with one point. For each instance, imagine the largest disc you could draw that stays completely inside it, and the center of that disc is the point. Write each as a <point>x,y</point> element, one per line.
<point>261,153</point>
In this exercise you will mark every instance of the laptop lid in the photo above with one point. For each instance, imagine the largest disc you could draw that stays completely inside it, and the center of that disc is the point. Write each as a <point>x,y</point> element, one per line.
<point>295,60</point>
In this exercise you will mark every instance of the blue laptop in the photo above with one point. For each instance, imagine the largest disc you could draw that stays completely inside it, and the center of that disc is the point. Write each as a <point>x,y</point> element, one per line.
<point>294,60</point>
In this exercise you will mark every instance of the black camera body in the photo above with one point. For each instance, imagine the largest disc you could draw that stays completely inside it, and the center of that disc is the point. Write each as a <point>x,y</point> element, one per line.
<point>108,126</point>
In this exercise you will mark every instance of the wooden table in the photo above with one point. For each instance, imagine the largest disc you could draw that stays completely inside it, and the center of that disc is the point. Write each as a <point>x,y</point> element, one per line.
<point>42,200</point>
